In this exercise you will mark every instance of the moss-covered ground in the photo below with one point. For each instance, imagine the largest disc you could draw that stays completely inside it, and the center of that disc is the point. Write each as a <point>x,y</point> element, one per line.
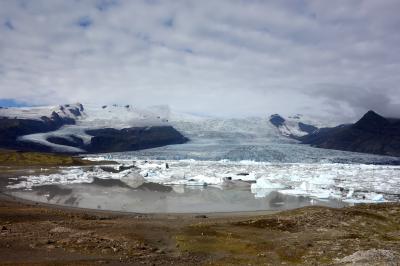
<point>307,236</point>
<point>15,158</point>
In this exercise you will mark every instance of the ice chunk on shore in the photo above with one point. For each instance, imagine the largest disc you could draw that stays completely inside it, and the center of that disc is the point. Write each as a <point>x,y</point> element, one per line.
<point>378,197</point>
<point>350,193</point>
<point>264,186</point>
<point>133,180</point>
<point>266,183</point>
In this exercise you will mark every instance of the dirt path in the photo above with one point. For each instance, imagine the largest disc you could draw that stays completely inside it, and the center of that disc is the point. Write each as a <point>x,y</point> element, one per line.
<point>35,234</point>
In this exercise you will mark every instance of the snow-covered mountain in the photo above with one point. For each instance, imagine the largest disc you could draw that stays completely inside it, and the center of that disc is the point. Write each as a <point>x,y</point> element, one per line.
<point>84,128</point>
<point>80,128</point>
<point>297,125</point>
<point>66,111</point>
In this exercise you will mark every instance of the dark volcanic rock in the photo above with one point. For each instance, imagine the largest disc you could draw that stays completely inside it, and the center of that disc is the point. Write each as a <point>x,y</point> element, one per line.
<point>118,170</point>
<point>129,139</point>
<point>109,182</point>
<point>372,122</point>
<point>307,128</point>
<point>75,111</point>
<point>150,186</point>
<point>12,128</point>
<point>371,134</point>
<point>277,120</point>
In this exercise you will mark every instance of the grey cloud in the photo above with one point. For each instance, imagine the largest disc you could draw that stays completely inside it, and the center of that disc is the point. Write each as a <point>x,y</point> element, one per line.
<point>359,100</point>
<point>219,57</point>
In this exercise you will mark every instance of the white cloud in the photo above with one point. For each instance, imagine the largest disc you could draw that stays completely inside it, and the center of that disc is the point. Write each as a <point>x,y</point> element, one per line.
<point>220,57</point>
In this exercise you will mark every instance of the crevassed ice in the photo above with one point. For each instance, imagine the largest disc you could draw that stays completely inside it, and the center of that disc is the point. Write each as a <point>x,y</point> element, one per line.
<point>349,182</point>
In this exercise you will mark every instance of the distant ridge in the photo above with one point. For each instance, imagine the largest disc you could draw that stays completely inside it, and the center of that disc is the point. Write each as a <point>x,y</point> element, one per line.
<point>294,126</point>
<point>373,133</point>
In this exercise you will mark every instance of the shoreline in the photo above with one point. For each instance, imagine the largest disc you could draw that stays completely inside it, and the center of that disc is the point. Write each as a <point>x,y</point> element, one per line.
<point>45,234</point>
<point>38,233</point>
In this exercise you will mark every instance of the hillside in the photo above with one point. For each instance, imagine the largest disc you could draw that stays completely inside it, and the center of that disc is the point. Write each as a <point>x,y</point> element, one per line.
<point>78,129</point>
<point>371,134</point>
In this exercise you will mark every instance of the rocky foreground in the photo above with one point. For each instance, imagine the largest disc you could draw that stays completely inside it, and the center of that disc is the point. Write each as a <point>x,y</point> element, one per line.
<point>37,234</point>
<point>34,234</point>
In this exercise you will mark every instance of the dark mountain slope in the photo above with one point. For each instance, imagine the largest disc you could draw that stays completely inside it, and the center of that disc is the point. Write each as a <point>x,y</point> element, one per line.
<point>12,128</point>
<point>371,134</point>
<point>130,139</point>
<point>15,124</point>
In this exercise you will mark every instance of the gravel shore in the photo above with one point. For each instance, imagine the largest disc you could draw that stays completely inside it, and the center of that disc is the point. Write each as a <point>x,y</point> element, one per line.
<point>38,234</point>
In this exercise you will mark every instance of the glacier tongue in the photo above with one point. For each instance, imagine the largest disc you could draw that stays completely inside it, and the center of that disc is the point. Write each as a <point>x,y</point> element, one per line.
<point>86,117</point>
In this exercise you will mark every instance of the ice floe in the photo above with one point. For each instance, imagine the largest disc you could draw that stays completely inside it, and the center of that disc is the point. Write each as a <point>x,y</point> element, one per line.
<point>348,182</point>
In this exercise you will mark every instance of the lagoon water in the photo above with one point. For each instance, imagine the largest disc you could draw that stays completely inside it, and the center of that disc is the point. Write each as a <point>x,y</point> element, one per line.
<point>219,170</point>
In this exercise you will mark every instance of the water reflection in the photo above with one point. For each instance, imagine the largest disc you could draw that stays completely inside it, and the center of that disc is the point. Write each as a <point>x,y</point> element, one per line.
<point>155,198</point>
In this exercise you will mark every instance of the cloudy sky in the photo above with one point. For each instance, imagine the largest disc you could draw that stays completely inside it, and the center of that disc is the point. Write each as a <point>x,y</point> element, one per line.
<point>228,58</point>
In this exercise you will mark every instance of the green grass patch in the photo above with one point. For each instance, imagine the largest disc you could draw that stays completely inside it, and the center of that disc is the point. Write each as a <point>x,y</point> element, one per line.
<point>16,158</point>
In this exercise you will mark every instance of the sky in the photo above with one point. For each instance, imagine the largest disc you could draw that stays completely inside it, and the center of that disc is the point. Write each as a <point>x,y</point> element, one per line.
<point>227,58</point>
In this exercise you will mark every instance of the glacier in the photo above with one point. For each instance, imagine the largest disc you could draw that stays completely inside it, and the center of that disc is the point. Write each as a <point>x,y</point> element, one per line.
<point>242,162</point>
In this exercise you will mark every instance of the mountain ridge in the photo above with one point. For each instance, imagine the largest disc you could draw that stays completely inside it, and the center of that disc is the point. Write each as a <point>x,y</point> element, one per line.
<point>76,129</point>
<point>372,133</point>
<point>294,126</point>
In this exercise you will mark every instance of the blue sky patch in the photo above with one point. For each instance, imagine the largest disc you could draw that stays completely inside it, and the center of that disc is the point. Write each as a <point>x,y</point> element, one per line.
<point>85,22</point>
<point>104,5</point>
<point>9,25</point>
<point>169,23</point>
<point>11,103</point>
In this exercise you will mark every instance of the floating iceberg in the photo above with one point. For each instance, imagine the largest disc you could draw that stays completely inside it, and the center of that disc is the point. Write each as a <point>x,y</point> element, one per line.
<point>349,182</point>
